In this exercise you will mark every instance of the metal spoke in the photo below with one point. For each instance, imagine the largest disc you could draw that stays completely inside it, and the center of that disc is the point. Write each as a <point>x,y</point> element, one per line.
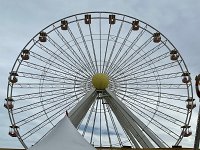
<point>59,99</point>
<point>152,110</point>
<point>86,47</point>
<point>153,121</point>
<point>145,64</point>
<point>163,95</point>
<point>140,73</point>
<point>105,54</point>
<point>112,68</point>
<point>114,45</point>
<point>45,85</point>
<point>94,53</point>
<point>54,71</point>
<point>155,86</point>
<point>80,50</point>
<point>129,66</point>
<point>58,65</point>
<point>48,109</point>
<point>39,94</point>
<point>154,102</point>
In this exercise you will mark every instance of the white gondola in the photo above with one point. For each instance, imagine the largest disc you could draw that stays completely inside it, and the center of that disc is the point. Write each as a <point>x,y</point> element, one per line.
<point>135,25</point>
<point>12,131</point>
<point>25,54</point>
<point>64,25</point>
<point>9,103</point>
<point>13,77</point>
<point>87,19</point>
<point>186,131</point>
<point>112,19</point>
<point>174,55</point>
<point>156,37</point>
<point>43,37</point>
<point>190,103</point>
<point>186,77</point>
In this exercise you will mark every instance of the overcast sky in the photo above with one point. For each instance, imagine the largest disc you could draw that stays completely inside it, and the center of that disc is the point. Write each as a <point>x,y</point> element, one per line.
<point>178,20</point>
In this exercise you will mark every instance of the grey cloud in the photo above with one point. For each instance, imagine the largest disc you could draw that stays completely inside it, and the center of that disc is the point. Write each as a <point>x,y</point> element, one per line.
<point>20,21</point>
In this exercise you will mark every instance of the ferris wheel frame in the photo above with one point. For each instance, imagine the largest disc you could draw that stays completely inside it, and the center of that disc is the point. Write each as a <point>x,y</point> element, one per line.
<point>88,18</point>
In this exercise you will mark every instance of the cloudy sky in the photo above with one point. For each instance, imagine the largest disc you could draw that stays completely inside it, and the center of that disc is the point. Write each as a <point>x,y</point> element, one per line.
<point>20,20</point>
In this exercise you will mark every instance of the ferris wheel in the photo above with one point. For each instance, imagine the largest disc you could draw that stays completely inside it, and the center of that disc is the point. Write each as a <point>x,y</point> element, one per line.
<point>122,82</point>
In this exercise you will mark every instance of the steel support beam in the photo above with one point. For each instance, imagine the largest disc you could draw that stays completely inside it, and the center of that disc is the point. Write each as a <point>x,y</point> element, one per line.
<point>80,110</point>
<point>129,124</point>
<point>125,124</point>
<point>136,122</point>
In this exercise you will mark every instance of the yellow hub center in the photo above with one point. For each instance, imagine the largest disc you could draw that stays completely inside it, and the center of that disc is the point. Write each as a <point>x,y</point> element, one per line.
<point>100,81</point>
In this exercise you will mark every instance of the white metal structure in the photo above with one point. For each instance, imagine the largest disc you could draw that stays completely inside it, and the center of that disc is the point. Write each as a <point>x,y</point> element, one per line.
<point>148,102</point>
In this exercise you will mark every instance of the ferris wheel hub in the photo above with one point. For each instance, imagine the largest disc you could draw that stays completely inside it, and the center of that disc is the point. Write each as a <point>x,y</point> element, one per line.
<point>100,81</point>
